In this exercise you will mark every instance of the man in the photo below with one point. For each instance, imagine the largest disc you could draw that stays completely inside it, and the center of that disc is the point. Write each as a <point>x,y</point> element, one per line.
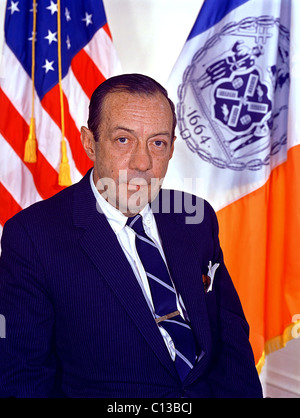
<point>79,285</point>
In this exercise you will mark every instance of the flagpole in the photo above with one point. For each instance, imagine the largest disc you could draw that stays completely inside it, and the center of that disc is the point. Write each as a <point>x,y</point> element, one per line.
<point>64,177</point>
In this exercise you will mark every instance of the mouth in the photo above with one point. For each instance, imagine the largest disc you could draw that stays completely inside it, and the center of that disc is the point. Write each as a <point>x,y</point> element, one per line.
<point>134,187</point>
<point>137,184</point>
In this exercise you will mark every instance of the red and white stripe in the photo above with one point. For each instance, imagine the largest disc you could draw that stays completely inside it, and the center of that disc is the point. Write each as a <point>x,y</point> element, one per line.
<point>22,184</point>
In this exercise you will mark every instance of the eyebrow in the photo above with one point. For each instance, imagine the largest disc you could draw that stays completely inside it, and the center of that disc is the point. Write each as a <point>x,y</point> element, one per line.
<point>123,128</point>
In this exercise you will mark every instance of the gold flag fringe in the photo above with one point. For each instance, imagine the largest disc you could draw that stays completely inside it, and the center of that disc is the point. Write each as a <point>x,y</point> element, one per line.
<point>64,176</point>
<point>276,343</point>
<point>31,144</point>
<point>30,152</point>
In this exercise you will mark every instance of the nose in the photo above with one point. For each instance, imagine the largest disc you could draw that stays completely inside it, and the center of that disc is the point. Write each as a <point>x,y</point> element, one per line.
<point>141,159</point>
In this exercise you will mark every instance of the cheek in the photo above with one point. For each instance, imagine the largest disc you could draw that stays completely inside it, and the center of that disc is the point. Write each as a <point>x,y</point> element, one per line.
<point>160,167</point>
<point>108,164</point>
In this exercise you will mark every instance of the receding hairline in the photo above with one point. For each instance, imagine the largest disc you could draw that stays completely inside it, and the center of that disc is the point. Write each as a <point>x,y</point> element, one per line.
<point>133,84</point>
<point>138,94</point>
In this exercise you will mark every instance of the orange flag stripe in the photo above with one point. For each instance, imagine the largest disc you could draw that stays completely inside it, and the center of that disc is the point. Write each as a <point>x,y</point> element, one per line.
<point>260,236</point>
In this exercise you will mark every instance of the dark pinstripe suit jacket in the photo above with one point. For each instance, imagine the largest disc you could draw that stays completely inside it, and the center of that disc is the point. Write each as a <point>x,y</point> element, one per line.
<point>77,323</point>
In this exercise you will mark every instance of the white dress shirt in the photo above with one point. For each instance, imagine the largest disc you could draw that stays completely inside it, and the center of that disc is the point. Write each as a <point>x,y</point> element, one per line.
<point>126,238</point>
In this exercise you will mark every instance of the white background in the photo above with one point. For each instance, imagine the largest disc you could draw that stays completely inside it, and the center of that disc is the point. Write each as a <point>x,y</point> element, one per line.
<point>148,36</point>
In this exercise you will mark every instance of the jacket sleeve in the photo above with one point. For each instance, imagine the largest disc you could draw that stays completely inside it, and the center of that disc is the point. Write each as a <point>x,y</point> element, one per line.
<point>233,372</point>
<point>27,365</point>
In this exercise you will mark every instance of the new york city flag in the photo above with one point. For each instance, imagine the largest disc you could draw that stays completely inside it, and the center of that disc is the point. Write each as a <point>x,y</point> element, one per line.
<point>236,86</point>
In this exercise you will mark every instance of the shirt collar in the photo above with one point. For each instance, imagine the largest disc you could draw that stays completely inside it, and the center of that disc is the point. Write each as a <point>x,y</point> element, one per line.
<point>117,219</point>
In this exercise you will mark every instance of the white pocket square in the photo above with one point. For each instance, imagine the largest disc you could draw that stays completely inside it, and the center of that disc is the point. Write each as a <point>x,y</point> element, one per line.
<point>208,279</point>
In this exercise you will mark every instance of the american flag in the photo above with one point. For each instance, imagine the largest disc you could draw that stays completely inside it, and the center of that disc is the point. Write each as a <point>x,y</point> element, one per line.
<point>87,59</point>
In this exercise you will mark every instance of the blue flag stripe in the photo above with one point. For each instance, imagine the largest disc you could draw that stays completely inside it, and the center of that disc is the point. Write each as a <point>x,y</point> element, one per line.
<point>211,13</point>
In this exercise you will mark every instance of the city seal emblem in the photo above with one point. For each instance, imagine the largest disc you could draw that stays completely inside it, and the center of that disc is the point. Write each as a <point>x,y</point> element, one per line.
<point>233,100</point>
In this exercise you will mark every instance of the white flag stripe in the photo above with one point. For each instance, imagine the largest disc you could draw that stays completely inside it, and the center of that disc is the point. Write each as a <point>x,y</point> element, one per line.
<point>45,127</point>
<point>102,52</point>
<point>47,132</point>
<point>15,82</point>
<point>16,177</point>
<point>49,141</point>
<point>233,161</point>
<point>77,99</point>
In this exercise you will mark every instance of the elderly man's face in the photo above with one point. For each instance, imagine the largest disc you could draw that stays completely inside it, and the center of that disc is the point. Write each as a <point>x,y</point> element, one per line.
<point>134,148</point>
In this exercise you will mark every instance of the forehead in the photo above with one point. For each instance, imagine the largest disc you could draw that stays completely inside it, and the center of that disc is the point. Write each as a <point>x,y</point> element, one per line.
<point>133,106</point>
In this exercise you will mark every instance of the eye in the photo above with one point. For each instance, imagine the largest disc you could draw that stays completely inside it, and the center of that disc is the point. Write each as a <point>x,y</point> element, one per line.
<point>158,143</point>
<point>122,140</point>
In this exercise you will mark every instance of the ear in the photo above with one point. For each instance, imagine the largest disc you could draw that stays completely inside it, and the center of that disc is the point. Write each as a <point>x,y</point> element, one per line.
<point>88,142</point>
<point>172,148</point>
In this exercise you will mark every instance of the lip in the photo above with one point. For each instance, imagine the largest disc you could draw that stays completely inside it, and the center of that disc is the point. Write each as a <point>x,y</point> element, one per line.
<point>134,187</point>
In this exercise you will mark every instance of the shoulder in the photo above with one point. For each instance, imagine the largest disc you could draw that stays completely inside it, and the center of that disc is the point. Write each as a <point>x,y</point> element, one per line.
<point>50,207</point>
<point>48,213</point>
<point>189,208</point>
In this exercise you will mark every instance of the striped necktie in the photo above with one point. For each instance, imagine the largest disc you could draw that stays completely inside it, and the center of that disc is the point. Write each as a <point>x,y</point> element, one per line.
<point>164,299</point>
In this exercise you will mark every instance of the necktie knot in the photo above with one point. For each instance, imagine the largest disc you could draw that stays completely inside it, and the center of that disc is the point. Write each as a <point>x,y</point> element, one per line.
<point>136,223</point>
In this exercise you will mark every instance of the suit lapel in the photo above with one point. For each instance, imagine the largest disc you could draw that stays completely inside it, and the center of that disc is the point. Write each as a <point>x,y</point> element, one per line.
<point>102,247</point>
